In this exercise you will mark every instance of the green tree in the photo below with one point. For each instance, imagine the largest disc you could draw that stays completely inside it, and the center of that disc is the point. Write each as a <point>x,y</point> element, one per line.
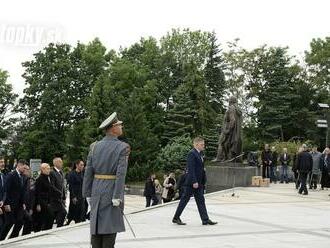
<point>7,103</point>
<point>237,78</point>
<point>125,88</point>
<point>214,75</point>
<point>318,63</point>
<point>275,81</point>
<point>174,155</point>
<point>60,80</point>
<point>195,82</point>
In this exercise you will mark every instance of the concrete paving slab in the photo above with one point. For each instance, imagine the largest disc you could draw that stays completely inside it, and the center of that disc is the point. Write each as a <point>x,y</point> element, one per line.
<point>255,217</point>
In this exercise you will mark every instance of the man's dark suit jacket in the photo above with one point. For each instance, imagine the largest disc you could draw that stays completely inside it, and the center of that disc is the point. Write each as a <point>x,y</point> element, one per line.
<point>75,181</point>
<point>195,172</point>
<point>44,190</point>
<point>3,178</point>
<point>15,188</point>
<point>57,201</point>
<point>287,160</point>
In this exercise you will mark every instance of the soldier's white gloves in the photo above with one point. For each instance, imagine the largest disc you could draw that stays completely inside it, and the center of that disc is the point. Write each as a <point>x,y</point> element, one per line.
<point>88,199</point>
<point>116,202</point>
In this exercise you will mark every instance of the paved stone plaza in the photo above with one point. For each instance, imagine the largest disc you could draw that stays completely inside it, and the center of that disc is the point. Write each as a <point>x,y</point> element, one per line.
<point>255,217</point>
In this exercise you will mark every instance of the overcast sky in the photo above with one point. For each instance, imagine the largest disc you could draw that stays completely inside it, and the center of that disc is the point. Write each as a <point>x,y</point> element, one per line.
<point>27,26</point>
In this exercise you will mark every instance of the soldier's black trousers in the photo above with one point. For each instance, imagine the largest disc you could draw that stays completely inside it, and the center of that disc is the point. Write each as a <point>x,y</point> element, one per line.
<point>103,240</point>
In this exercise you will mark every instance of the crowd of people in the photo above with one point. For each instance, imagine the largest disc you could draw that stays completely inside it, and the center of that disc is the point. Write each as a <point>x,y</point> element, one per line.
<point>310,167</point>
<point>171,188</point>
<point>30,204</point>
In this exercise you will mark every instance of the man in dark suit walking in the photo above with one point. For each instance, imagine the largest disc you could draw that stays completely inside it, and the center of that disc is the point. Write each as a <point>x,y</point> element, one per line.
<point>57,203</point>
<point>304,166</point>
<point>77,202</point>
<point>195,182</point>
<point>15,188</point>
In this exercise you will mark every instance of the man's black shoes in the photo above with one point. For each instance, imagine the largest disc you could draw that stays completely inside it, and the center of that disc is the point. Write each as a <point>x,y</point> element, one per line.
<point>178,221</point>
<point>209,222</point>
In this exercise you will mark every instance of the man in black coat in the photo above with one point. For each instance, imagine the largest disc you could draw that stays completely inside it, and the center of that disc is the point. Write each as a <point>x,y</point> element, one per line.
<point>16,187</point>
<point>44,191</point>
<point>304,167</point>
<point>150,191</point>
<point>77,202</point>
<point>266,158</point>
<point>57,203</point>
<point>195,182</point>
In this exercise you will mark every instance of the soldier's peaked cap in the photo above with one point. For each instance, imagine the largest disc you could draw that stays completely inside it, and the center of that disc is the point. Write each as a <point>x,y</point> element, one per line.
<point>110,121</point>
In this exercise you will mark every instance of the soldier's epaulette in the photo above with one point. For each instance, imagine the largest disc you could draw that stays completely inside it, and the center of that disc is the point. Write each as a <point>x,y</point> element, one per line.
<point>92,146</point>
<point>127,148</point>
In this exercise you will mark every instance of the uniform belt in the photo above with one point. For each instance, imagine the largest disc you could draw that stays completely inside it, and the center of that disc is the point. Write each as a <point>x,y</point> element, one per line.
<point>105,176</point>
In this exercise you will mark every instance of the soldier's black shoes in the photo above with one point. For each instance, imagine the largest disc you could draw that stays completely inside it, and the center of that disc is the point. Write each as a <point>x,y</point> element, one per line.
<point>178,221</point>
<point>209,222</point>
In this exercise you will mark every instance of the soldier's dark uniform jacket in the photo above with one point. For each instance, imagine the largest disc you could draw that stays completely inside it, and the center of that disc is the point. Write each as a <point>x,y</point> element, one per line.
<point>106,157</point>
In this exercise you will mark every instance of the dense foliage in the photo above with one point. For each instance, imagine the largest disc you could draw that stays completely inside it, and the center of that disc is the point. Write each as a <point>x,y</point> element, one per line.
<point>166,91</point>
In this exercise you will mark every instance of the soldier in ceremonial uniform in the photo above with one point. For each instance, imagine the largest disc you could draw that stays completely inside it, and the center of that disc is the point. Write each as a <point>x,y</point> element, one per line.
<point>104,183</point>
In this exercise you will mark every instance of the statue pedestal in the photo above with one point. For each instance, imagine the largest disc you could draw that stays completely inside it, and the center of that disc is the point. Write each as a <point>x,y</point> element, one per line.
<point>228,175</point>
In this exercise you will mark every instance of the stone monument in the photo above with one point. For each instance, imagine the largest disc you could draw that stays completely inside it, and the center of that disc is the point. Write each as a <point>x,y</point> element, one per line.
<point>227,169</point>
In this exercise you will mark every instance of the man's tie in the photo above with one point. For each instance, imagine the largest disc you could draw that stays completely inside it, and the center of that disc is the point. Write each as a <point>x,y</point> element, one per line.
<point>20,178</point>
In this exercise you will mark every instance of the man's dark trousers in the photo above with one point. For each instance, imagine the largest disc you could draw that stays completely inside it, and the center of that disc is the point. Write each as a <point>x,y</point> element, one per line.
<point>13,218</point>
<point>303,179</point>
<point>200,201</point>
<point>153,199</point>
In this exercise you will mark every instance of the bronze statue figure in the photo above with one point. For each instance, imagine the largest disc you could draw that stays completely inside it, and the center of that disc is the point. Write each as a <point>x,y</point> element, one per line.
<point>230,141</point>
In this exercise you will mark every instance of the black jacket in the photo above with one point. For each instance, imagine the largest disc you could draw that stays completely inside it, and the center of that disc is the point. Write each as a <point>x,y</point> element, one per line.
<point>16,187</point>
<point>57,180</point>
<point>304,162</point>
<point>285,161</point>
<point>149,188</point>
<point>325,163</point>
<point>195,172</point>
<point>2,187</point>
<point>274,158</point>
<point>30,195</point>
<point>266,156</point>
<point>75,181</point>
<point>42,190</point>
